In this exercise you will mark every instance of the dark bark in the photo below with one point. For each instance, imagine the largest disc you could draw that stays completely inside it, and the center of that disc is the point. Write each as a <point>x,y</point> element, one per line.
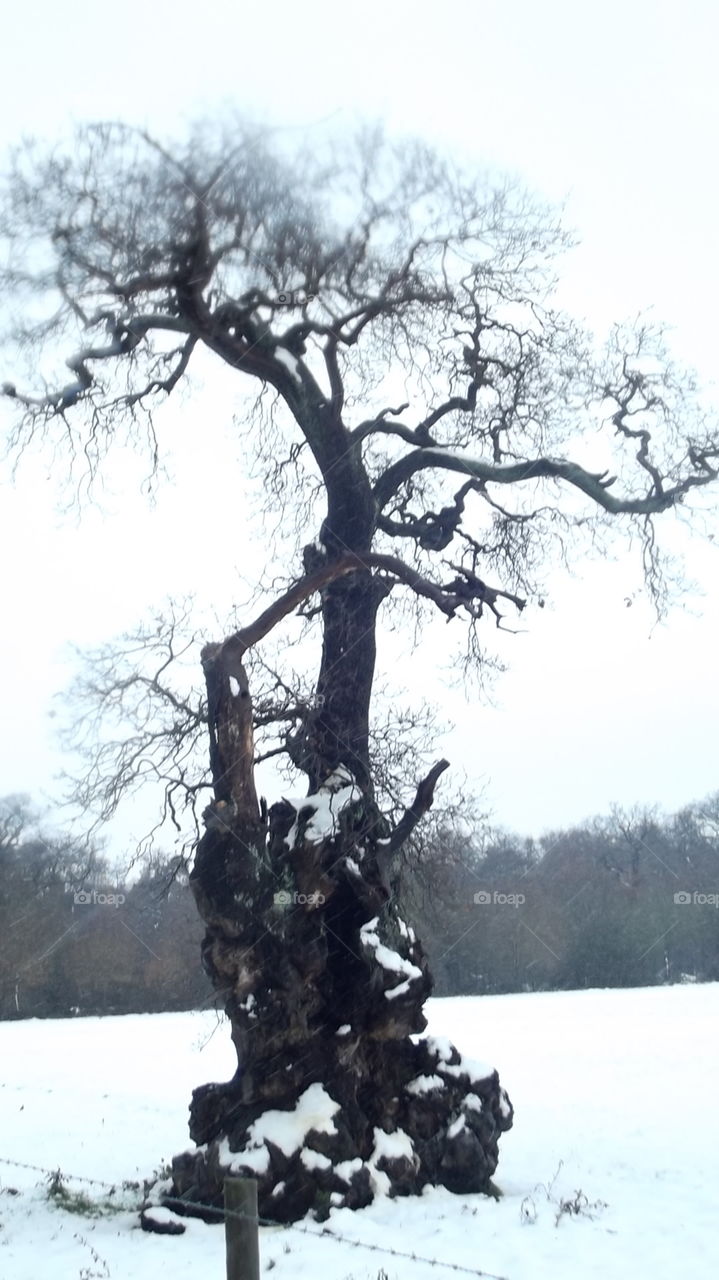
<point>337,731</point>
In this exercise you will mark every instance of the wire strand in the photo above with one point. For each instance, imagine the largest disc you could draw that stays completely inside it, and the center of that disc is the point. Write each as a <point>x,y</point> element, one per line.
<point>321,1233</point>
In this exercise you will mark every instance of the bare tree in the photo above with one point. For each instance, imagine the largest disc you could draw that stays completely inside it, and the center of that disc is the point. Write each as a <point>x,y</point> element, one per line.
<point>327,284</point>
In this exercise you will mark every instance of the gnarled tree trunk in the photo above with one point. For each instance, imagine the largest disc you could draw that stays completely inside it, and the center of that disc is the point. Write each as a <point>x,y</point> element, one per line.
<point>338,1093</point>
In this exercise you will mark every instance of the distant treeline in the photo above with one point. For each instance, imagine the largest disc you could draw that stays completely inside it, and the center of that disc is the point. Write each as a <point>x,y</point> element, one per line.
<point>628,900</point>
<point>76,939</point>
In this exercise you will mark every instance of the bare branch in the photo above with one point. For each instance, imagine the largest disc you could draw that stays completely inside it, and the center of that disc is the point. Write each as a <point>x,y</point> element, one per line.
<point>421,804</point>
<point>594,485</point>
<point>433,531</point>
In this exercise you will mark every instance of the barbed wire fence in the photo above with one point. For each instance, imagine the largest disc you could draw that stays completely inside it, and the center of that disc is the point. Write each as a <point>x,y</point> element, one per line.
<point>222,1214</point>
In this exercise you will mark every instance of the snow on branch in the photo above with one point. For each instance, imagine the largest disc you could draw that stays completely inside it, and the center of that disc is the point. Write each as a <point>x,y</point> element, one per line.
<point>704,464</point>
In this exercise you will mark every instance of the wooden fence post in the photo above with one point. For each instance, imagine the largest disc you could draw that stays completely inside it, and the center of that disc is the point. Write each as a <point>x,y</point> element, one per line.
<point>242,1241</point>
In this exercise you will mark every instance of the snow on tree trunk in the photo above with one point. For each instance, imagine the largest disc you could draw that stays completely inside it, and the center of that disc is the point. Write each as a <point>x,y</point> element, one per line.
<point>338,1094</point>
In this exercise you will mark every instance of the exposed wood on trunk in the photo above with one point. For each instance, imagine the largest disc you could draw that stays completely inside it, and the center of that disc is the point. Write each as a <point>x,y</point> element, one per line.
<point>229,713</point>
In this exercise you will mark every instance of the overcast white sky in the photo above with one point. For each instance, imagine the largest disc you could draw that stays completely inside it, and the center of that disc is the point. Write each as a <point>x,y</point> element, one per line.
<point>613,107</point>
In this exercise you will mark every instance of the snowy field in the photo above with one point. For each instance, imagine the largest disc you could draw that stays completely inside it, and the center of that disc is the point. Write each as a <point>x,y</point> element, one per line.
<point>615,1089</point>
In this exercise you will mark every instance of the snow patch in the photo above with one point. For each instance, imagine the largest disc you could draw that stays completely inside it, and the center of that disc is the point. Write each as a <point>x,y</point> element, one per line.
<point>337,792</point>
<point>388,1146</point>
<point>476,1071</point>
<point>392,992</point>
<point>234,687</point>
<point>257,1158</point>
<point>406,930</point>
<point>393,1146</point>
<point>379,1181</point>
<point>160,1189</point>
<point>346,1169</point>
<point>441,1047</point>
<point>386,957</point>
<point>161,1216</point>
<point>287,359</point>
<point>473,1103</point>
<point>314,1159</point>
<point>424,1084</point>
<point>286,1129</point>
<point>456,1127</point>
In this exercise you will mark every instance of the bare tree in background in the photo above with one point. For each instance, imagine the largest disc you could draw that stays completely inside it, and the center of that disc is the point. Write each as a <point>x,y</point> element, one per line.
<point>327,284</point>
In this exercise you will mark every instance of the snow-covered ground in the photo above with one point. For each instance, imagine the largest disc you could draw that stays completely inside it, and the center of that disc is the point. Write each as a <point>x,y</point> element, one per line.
<point>615,1089</point>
